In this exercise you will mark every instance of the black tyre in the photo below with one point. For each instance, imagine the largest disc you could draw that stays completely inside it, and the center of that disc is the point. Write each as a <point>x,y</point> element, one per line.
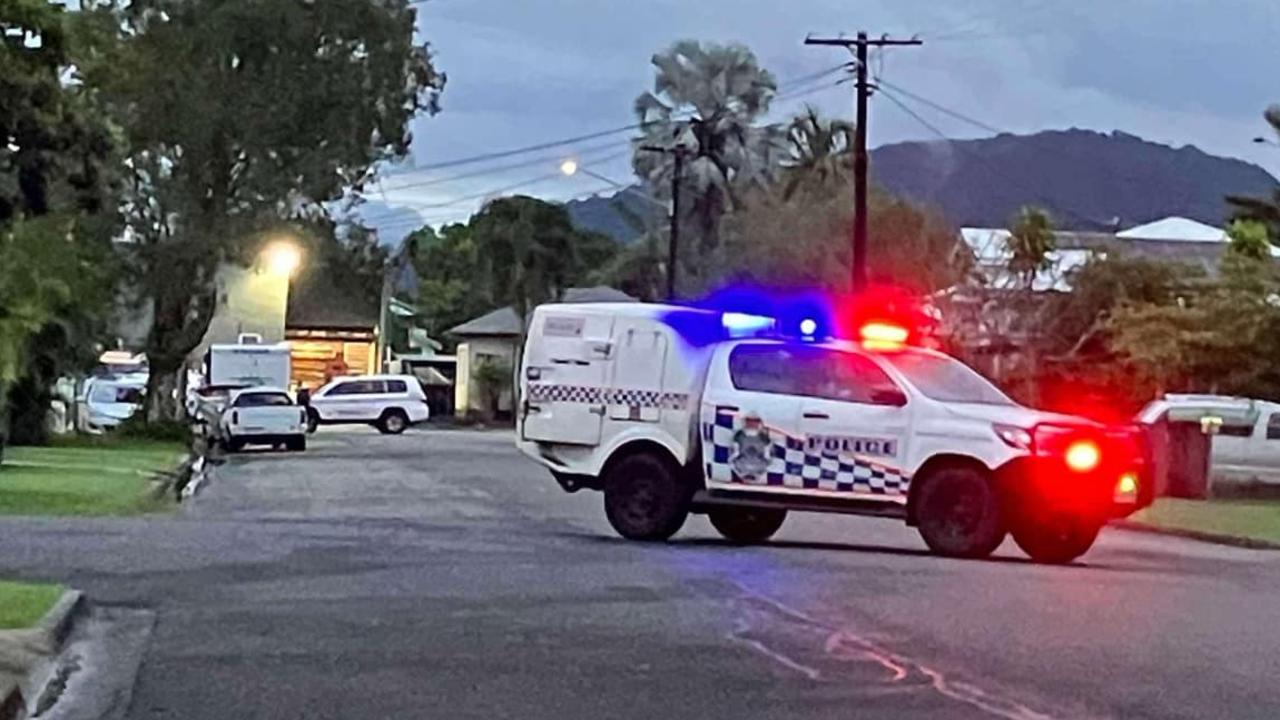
<point>296,444</point>
<point>233,445</point>
<point>644,499</point>
<point>958,513</point>
<point>313,420</point>
<point>1058,540</point>
<point>746,526</point>
<point>393,422</point>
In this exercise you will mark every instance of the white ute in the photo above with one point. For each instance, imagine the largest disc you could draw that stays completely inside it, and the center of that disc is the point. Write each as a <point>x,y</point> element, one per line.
<point>670,410</point>
<point>263,416</point>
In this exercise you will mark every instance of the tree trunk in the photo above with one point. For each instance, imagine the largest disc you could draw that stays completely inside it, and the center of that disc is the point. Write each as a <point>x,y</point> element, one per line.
<point>166,391</point>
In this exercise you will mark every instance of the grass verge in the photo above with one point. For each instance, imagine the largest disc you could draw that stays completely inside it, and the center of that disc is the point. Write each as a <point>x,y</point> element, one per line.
<point>1254,519</point>
<point>87,476</point>
<point>22,605</point>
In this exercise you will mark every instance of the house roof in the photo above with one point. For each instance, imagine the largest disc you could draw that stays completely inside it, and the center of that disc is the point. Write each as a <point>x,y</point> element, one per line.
<point>1175,228</point>
<point>504,322</point>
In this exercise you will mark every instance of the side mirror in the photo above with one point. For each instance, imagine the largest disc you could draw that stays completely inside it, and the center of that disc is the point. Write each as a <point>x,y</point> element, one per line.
<point>889,396</point>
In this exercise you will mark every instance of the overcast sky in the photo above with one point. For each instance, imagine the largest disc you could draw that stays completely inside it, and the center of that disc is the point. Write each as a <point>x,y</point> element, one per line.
<point>521,72</point>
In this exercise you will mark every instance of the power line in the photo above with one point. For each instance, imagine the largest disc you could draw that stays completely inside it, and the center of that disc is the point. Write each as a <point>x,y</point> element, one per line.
<point>543,159</point>
<point>946,111</point>
<point>583,138</point>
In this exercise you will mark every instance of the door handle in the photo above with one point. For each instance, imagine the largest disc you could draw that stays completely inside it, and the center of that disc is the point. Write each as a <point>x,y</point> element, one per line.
<point>811,415</point>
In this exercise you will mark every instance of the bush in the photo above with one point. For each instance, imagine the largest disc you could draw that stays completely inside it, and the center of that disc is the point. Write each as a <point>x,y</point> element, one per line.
<point>138,428</point>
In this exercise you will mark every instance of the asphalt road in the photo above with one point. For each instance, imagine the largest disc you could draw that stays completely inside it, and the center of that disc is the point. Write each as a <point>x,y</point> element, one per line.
<point>439,575</point>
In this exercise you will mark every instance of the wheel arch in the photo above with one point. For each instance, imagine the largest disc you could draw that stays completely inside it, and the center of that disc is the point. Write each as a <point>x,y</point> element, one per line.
<point>640,446</point>
<point>933,465</point>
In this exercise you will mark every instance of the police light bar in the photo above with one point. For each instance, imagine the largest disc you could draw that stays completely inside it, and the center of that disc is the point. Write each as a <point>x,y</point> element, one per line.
<point>883,333</point>
<point>738,324</point>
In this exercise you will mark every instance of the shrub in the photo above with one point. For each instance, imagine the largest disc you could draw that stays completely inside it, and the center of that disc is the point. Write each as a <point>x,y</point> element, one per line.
<point>138,428</point>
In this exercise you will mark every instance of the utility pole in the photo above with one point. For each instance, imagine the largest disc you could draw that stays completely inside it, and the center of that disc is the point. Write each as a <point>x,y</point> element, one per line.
<point>858,46</point>
<point>678,154</point>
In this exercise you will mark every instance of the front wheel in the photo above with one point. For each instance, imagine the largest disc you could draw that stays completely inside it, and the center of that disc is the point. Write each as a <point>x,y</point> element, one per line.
<point>746,526</point>
<point>958,513</point>
<point>313,421</point>
<point>1056,541</point>
<point>644,499</point>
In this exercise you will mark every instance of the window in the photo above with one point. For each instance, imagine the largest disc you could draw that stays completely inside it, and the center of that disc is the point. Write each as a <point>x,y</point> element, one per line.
<point>767,368</point>
<point>263,400</point>
<point>812,372</point>
<point>945,379</point>
<point>1273,426</point>
<point>1243,431</point>
<point>357,387</point>
<point>397,386</point>
<point>116,394</point>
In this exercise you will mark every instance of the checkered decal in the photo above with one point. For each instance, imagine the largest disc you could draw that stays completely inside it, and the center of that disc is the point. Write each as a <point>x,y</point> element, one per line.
<point>792,466</point>
<point>546,392</point>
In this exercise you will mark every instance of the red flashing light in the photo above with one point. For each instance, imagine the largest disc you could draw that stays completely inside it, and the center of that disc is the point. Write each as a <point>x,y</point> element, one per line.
<point>883,333</point>
<point>1083,456</point>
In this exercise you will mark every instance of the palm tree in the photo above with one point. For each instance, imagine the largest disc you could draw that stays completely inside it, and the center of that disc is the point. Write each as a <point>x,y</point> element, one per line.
<point>705,99</point>
<point>1029,244</point>
<point>1263,209</point>
<point>819,153</point>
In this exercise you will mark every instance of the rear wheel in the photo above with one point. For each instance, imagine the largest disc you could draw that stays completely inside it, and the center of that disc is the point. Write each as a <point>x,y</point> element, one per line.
<point>393,422</point>
<point>1056,540</point>
<point>644,499</point>
<point>958,513</point>
<point>746,526</point>
<point>313,420</point>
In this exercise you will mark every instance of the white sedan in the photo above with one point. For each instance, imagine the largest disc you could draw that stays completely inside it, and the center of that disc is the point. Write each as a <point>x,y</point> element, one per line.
<point>263,416</point>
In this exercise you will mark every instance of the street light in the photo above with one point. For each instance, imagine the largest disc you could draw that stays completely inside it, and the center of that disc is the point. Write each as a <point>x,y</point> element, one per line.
<point>282,258</point>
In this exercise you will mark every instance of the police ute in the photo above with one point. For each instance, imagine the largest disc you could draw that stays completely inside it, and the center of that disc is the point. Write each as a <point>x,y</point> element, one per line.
<point>673,410</point>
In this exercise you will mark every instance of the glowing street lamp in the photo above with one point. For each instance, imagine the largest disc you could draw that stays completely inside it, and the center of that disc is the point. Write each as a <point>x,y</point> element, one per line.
<point>569,167</point>
<point>282,258</point>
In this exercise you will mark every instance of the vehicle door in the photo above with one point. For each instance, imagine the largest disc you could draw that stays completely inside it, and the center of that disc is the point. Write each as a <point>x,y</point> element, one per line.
<point>749,417</point>
<point>636,388</point>
<point>854,419</point>
<point>566,377</point>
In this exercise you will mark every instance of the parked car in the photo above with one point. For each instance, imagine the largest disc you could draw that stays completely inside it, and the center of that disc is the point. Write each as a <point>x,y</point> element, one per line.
<point>263,416</point>
<point>108,401</point>
<point>1245,432</point>
<point>390,403</point>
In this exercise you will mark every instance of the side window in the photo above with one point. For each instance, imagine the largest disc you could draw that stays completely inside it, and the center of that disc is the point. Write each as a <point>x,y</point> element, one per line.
<point>852,378</point>
<point>357,387</point>
<point>767,368</point>
<point>1243,431</point>
<point>397,386</point>
<point>1273,426</point>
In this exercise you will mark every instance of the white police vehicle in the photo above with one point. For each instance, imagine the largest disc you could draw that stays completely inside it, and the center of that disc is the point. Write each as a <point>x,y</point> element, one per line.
<point>670,410</point>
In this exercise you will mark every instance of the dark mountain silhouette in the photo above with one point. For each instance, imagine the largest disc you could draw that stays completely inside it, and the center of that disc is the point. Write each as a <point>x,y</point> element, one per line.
<point>1087,180</point>
<point>622,215</point>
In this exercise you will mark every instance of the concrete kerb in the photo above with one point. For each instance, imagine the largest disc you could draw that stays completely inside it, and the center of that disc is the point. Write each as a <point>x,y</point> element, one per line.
<point>39,648</point>
<point>1215,538</point>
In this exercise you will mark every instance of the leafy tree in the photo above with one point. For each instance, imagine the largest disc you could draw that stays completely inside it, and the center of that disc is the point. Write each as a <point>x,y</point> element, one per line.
<point>705,99</point>
<point>1249,239</point>
<point>57,211</point>
<point>819,154</point>
<point>238,116</point>
<point>494,378</point>
<point>518,251</point>
<point>1265,210</point>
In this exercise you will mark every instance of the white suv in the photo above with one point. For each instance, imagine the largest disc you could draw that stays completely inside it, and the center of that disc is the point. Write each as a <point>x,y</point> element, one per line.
<point>390,403</point>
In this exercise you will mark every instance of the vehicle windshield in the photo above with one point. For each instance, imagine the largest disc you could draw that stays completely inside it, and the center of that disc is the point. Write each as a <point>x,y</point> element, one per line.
<point>945,379</point>
<point>263,400</point>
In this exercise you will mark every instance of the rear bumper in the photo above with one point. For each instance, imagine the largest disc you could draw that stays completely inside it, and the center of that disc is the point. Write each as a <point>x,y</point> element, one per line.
<point>272,438</point>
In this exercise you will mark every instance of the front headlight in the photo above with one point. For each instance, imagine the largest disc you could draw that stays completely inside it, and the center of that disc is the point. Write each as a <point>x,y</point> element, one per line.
<point>1013,436</point>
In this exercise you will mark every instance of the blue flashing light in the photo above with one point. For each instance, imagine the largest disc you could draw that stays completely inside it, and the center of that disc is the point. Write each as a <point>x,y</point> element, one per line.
<point>808,327</point>
<point>738,324</point>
